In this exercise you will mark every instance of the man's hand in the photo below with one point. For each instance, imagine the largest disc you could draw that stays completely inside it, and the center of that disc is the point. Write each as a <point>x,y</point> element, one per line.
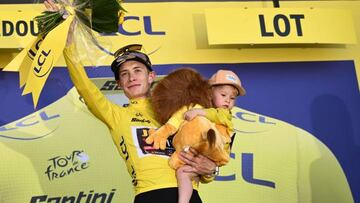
<point>192,113</point>
<point>51,6</point>
<point>199,163</point>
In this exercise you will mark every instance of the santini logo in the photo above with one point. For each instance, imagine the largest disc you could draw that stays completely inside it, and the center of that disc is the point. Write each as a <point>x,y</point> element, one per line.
<point>82,197</point>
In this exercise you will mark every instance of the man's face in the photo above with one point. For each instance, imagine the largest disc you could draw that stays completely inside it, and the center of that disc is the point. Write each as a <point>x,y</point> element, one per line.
<point>135,79</point>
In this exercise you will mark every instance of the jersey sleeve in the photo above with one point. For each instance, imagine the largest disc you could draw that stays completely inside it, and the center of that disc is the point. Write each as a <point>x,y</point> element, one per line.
<point>96,102</point>
<point>220,116</point>
<point>206,179</point>
<point>178,117</point>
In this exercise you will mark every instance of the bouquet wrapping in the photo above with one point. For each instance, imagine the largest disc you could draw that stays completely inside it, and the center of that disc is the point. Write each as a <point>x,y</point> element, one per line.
<point>80,18</point>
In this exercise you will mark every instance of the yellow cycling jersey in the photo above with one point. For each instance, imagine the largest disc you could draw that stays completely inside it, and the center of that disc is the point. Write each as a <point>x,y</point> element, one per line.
<point>129,127</point>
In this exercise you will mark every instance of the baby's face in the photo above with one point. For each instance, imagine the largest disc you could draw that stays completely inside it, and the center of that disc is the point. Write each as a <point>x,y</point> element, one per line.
<point>224,96</point>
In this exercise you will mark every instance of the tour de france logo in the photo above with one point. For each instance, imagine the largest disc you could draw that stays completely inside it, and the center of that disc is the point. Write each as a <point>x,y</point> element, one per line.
<point>65,165</point>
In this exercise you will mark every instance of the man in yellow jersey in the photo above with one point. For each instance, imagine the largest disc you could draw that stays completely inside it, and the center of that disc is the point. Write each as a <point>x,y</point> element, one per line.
<point>152,178</point>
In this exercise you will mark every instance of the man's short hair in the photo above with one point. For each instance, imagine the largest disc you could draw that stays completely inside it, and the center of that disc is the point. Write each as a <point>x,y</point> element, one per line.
<point>129,52</point>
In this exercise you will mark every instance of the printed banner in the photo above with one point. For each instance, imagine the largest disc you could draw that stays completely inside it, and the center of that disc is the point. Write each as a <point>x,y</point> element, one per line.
<point>17,27</point>
<point>163,28</point>
<point>280,26</point>
<point>297,135</point>
<point>298,162</point>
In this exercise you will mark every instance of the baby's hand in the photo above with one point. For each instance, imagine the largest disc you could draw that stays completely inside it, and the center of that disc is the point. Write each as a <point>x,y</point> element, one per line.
<point>192,113</point>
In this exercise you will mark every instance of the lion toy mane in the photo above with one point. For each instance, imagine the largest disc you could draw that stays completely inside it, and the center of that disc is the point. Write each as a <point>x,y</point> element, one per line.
<point>186,87</point>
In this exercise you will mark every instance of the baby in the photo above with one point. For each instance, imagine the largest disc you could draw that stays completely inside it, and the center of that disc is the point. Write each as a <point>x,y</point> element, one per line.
<point>226,86</point>
<point>219,92</point>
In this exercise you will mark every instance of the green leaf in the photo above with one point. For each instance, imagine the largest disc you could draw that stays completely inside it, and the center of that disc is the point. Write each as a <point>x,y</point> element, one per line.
<point>47,21</point>
<point>104,16</point>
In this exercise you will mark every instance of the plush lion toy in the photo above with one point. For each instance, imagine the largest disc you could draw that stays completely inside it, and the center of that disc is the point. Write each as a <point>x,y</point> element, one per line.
<point>178,92</point>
